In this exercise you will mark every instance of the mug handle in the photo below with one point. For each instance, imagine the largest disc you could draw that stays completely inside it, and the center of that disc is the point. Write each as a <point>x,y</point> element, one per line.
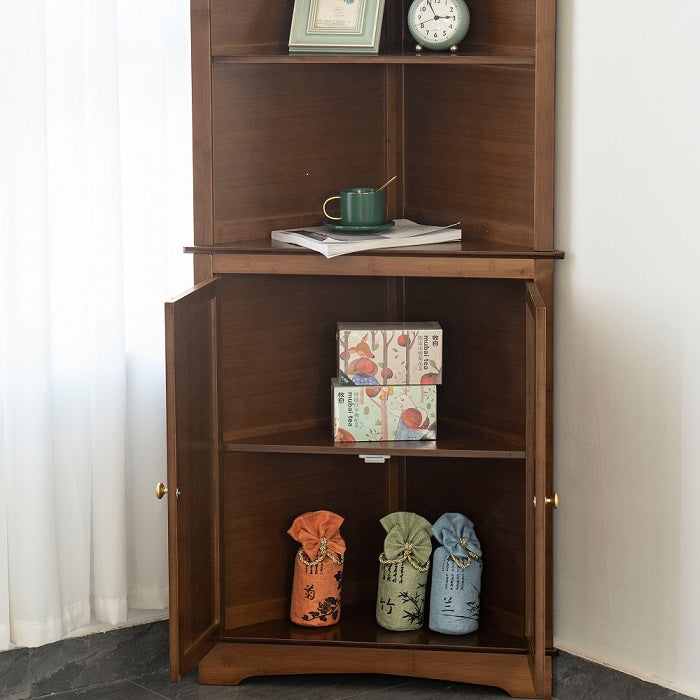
<point>328,216</point>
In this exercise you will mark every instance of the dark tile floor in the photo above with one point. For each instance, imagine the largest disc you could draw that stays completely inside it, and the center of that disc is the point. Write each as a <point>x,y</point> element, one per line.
<point>132,663</point>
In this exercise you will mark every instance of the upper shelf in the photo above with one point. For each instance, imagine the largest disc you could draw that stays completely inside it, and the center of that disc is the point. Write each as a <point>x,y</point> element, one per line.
<point>401,58</point>
<point>470,258</point>
<point>468,247</point>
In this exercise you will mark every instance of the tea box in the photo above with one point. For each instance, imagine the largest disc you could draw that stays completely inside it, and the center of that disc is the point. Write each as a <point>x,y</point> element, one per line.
<point>378,413</point>
<point>389,353</point>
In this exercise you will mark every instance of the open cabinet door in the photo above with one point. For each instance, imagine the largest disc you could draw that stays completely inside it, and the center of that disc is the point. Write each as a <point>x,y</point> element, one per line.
<point>193,474</point>
<point>536,478</point>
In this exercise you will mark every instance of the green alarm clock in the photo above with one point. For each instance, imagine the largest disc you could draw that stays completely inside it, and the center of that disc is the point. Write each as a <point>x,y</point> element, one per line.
<point>438,24</point>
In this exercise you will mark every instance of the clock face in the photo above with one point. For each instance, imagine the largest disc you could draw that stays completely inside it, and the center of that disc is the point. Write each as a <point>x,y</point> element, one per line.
<point>438,24</point>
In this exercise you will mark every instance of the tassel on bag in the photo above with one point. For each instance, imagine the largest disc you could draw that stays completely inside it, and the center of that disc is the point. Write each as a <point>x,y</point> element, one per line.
<point>456,584</point>
<point>318,569</point>
<point>403,571</point>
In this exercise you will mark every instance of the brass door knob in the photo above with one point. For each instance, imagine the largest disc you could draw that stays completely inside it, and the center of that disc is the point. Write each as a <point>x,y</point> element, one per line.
<point>161,490</point>
<point>554,500</point>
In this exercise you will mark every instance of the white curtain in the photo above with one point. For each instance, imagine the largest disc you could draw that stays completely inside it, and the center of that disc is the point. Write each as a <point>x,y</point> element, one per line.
<point>95,206</point>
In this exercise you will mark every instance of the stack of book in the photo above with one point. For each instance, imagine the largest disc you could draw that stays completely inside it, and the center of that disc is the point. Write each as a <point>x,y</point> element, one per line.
<point>331,244</point>
<point>386,388</point>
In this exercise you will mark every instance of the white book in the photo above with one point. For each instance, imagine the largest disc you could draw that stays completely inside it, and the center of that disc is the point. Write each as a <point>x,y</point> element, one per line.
<point>403,233</point>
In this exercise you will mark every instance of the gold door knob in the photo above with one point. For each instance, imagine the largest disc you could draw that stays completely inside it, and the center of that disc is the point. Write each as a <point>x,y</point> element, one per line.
<point>554,500</point>
<point>161,490</point>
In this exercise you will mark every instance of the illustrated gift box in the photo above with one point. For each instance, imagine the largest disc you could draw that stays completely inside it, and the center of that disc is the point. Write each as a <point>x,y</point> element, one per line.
<point>380,413</point>
<point>389,353</point>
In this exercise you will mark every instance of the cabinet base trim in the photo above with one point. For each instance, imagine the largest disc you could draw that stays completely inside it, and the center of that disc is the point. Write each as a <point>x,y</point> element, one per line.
<point>228,663</point>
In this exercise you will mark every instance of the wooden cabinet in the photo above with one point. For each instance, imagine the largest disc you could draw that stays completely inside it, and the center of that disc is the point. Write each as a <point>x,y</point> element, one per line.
<point>251,347</point>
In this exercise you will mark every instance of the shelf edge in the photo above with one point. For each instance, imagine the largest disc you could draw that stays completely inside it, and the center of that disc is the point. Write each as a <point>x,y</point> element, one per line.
<point>403,58</point>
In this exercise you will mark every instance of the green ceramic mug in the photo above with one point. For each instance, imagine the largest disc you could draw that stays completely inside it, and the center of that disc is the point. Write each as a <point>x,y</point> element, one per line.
<point>359,206</point>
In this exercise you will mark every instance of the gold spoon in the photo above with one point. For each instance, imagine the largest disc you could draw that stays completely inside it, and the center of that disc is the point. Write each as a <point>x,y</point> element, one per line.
<point>387,183</point>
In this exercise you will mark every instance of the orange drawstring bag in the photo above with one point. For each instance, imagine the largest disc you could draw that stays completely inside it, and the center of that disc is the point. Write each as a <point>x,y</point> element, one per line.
<point>318,569</point>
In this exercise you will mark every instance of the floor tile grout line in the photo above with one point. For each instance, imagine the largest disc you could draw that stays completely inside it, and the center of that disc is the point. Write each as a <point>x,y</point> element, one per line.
<point>364,693</point>
<point>143,687</point>
<point>87,688</point>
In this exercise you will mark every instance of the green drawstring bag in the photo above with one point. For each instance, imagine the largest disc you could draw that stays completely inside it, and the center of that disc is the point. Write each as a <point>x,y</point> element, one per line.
<point>403,571</point>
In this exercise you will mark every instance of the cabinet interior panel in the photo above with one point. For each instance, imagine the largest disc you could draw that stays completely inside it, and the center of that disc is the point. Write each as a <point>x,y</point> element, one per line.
<point>262,496</point>
<point>278,347</point>
<point>288,136</point>
<point>501,25</point>
<point>263,28</point>
<point>239,28</point>
<point>491,493</point>
<point>469,149</point>
<point>483,324</point>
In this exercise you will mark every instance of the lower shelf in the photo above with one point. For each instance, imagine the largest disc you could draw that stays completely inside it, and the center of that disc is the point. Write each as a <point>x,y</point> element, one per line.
<point>358,627</point>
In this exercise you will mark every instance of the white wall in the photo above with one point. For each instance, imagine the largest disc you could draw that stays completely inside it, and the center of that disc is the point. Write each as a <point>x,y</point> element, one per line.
<point>627,533</point>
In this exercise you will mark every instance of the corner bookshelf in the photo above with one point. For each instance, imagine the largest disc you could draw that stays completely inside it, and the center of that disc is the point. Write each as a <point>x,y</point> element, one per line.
<point>250,348</point>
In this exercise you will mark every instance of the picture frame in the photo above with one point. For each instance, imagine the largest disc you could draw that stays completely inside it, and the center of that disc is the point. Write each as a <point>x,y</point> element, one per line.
<point>336,26</point>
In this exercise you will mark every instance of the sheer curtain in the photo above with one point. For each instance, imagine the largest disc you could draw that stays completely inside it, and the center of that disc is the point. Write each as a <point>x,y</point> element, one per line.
<point>95,205</point>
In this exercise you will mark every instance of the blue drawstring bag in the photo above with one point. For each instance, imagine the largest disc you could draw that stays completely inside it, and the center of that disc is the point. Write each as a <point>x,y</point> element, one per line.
<point>456,579</point>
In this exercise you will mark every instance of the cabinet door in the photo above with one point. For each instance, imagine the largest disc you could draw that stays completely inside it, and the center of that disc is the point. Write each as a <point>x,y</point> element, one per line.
<point>536,467</point>
<point>193,474</point>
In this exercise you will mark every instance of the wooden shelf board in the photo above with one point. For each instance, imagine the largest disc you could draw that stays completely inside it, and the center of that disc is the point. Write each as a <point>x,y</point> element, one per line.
<point>475,259</point>
<point>358,627</point>
<point>450,443</point>
<point>410,58</point>
<point>468,248</point>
